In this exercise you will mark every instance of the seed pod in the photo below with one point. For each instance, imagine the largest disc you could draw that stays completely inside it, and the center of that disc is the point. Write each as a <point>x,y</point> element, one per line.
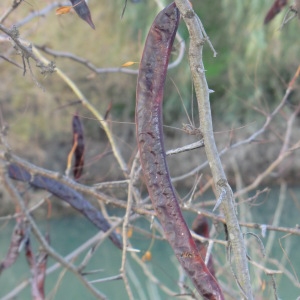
<point>149,94</point>
<point>16,241</point>
<point>78,142</point>
<point>274,10</point>
<point>65,193</point>
<point>37,265</point>
<point>83,11</point>
<point>201,227</point>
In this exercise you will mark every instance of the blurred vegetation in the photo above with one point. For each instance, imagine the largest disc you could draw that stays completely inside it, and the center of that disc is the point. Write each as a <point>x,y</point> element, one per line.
<point>252,68</point>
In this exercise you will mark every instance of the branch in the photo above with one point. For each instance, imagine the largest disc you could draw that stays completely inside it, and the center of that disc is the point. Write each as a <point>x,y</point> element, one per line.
<point>98,70</point>
<point>86,62</point>
<point>67,194</point>
<point>14,5</point>
<point>26,50</point>
<point>262,227</point>
<point>202,92</point>
<point>89,64</point>
<point>93,110</point>
<point>125,227</point>
<point>41,13</point>
<point>91,191</point>
<point>253,137</point>
<point>33,170</point>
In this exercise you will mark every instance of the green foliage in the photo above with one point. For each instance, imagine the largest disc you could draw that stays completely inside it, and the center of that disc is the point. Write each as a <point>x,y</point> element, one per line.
<point>254,50</point>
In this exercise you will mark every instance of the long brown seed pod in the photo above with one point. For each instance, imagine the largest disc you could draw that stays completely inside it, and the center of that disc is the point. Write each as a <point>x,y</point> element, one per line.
<point>150,86</point>
<point>67,194</point>
<point>78,140</point>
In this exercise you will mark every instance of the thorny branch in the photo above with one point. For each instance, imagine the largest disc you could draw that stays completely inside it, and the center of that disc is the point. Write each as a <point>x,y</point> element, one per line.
<point>253,137</point>
<point>202,92</point>
<point>26,51</point>
<point>93,192</point>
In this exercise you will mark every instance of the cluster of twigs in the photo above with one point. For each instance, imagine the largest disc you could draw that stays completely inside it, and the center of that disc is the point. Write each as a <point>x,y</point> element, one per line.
<point>135,205</point>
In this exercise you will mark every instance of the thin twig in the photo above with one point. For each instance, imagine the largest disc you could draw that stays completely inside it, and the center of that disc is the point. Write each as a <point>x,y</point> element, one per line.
<point>15,4</point>
<point>125,226</point>
<point>246,141</point>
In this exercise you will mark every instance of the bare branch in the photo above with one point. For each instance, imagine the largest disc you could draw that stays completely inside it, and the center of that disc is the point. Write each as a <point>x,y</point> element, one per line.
<point>202,91</point>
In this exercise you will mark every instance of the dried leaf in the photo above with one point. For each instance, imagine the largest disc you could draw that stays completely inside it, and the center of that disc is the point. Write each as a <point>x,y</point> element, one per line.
<point>129,232</point>
<point>129,63</point>
<point>63,10</point>
<point>147,256</point>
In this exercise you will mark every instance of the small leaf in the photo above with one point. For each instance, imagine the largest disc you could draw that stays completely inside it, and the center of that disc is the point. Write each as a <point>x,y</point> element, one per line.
<point>129,63</point>
<point>63,10</point>
<point>147,256</point>
<point>129,232</point>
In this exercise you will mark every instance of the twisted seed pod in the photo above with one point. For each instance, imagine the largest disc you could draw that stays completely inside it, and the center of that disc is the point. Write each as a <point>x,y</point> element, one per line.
<point>150,86</point>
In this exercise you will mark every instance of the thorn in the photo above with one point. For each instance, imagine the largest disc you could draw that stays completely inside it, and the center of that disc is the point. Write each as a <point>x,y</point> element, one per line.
<point>129,249</point>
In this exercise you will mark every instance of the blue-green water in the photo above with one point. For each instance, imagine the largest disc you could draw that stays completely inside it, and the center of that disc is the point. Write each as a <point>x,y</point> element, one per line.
<point>66,235</point>
<point>70,232</point>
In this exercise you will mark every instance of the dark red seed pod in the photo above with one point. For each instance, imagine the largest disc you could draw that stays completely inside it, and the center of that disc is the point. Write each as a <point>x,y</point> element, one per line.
<point>78,141</point>
<point>201,227</point>
<point>274,10</point>
<point>150,87</point>
<point>83,11</point>
<point>65,193</point>
<point>17,238</point>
